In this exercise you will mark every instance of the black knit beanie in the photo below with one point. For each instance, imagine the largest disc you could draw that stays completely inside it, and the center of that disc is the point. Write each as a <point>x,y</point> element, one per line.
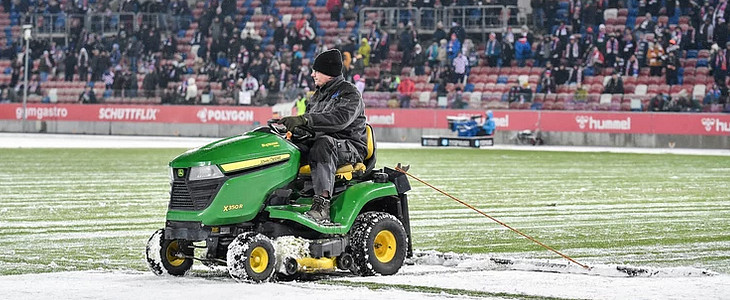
<point>329,63</point>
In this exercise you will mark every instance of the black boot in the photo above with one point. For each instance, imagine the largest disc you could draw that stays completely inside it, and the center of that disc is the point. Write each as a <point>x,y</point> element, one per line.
<point>320,210</point>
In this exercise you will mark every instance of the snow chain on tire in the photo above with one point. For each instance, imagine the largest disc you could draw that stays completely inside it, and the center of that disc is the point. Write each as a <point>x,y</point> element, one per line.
<point>239,255</point>
<point>363,234</point>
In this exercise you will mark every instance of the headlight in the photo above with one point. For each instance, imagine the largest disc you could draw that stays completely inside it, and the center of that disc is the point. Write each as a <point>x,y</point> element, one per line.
<point>172,175</point>
<point>205,172</point>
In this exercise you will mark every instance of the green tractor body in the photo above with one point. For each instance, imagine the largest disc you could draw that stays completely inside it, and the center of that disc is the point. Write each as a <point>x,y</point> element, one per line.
<point>239,197</point>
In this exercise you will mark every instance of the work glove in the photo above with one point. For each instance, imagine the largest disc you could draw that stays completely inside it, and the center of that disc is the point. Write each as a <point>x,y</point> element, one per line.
<point>292,122</point>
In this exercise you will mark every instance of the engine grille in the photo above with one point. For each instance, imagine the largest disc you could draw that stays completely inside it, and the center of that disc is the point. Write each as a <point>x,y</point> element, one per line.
<point>193,195</point>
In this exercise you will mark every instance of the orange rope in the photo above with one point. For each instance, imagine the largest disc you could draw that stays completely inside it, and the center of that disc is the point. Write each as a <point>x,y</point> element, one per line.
<point>493,219</point>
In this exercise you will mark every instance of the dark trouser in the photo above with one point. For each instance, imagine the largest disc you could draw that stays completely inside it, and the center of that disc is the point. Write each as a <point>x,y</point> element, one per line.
<point>672,77</point>
<point>325,155</point>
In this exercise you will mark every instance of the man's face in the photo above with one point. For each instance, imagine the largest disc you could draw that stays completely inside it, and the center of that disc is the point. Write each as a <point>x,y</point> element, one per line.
<point>320,79</point>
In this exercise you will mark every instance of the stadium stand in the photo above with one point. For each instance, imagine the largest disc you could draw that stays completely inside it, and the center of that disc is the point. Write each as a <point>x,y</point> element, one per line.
<point>559,58</point>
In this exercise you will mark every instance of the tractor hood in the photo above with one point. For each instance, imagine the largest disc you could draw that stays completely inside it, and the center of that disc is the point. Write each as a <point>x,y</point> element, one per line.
<point>237,149</point>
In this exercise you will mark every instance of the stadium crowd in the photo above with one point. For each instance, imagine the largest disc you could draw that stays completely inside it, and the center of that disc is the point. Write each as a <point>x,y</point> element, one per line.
<point>568,43</point>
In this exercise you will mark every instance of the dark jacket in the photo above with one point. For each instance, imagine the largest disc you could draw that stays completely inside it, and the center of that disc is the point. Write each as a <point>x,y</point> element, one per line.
<point>337,109</point>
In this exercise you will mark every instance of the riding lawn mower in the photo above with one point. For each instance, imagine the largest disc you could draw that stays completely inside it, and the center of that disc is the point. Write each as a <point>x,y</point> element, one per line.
<point>240,202</point>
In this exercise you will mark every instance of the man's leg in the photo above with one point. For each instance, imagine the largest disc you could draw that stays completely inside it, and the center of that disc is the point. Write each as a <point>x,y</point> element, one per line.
<point>326,154</point>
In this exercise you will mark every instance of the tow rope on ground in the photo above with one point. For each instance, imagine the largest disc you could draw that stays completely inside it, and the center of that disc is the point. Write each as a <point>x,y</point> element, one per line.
<point>404,171</point>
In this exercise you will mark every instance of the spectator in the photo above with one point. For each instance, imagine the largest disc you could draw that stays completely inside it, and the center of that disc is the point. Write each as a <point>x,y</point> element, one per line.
<point>333,7</point>
<point>443,53</point>
<point>87,96</point>
<point>508,49</point>
<point>713,95</point>
<point>117,81</point>
<point>615,85</point>
<point>364,52</point>
<point>249,86</point>
<point>439,34</point>
<point>405,90</point>
<point>631,67</point>
<point>360,83</point>
<point>654,56</point>
<point>45,66</point>
<point>108,78</point>
<point>542,51</point>
<point>459,100</point>
<point>130,85</point>
<point>705,34</point>
<point>460,63</point>
<point>556,51</point>
<point>572,52</point>
<point>459,31</point>
<point>580,94</point>
<point>595,60</point>
<point>83,65</point>
<point>719,63</point>
<point>672,68</point>
<point>191,95</point>
<point>657,103</point>
<point>612,50</point>
<point>70,63</point>
<point>149,83</point>
<point>493,50</point>
<point>419,61</point>
<point>208,97</point>
<point>453,48</point>
<point>523,51</point>
<point>547,83</point>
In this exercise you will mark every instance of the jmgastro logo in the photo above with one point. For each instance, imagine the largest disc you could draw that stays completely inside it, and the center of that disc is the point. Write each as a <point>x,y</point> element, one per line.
<point>609,124</point>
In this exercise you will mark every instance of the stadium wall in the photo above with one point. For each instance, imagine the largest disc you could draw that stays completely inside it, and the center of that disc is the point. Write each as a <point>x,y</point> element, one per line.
<point>654,130</point>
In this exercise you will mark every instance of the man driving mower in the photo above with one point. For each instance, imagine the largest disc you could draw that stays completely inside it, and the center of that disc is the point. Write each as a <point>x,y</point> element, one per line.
<point>336,113</point>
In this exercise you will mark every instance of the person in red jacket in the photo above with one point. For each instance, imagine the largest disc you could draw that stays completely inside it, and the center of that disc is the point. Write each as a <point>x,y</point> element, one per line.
<point>405,90</point>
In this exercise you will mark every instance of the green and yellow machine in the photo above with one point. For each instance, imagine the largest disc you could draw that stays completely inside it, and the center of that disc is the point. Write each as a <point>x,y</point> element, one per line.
<point>240,203</point>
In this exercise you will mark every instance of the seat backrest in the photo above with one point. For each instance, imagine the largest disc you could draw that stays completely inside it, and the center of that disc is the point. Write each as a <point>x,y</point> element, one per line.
<point>610,13</point>
<point>371,141</point>
<point>605,98</point>
<point>641,89</point>
<point>699,91</point>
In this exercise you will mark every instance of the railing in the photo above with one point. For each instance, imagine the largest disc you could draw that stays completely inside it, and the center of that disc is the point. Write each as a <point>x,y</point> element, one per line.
<point>62,24</point>
<point>474,19</point>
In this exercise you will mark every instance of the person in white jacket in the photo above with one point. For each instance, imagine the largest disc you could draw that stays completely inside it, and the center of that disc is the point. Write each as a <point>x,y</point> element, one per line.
<point>191,94</point>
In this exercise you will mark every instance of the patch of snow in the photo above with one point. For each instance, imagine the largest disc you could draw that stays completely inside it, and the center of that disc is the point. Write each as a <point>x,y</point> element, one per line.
<point>138,285</point>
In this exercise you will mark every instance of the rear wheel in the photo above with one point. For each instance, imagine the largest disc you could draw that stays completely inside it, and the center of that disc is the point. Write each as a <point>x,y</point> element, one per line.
<point>378,244</point>
<point>251,258</point>
<point>168,256</point>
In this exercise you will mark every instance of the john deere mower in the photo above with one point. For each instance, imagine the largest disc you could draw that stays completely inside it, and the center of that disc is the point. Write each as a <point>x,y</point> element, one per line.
<point>239,202</point>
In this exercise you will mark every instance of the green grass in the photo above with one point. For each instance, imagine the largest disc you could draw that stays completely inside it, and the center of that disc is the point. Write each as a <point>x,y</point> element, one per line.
<point>80,209</point>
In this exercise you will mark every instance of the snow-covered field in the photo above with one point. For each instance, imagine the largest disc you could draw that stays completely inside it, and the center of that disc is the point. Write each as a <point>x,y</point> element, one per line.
<point>433,275</point>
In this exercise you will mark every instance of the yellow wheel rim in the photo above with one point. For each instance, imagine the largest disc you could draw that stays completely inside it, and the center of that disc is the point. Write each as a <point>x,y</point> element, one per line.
<point>384,246</point>
<point>259,259</point>
<point>172,249</point>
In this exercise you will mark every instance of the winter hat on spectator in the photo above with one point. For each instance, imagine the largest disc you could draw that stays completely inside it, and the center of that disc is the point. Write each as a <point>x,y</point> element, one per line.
<point>329,63</point>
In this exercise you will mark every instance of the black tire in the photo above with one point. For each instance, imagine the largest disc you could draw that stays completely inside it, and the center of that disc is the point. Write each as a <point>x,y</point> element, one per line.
<point>251,258</point>
<point>370,233</point>
<point>161,255</point>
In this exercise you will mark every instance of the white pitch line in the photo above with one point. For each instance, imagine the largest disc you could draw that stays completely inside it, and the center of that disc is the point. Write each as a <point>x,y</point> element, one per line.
<point>37,140</point>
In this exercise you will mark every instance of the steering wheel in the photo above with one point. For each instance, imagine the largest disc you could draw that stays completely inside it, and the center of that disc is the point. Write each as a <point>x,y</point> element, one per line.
<point>297,134</point>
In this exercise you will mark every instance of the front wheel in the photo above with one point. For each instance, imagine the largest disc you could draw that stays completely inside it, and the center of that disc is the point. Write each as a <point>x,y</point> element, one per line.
<point>168,256</point>
<point>251,258</point>
<point>378,244</point>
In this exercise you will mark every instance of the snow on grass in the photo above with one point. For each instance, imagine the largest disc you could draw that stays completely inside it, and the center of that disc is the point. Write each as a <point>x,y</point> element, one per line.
<point>89,209</point>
